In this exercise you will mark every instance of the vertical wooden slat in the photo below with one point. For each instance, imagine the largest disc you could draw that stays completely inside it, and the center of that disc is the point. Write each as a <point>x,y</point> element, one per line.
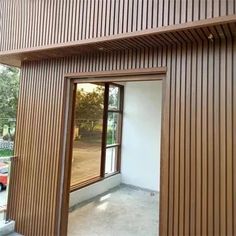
<point>216,9</point>
<point>229,138</point>
<point>172,66</point>
<point>199,144</point>
<point>182,137</point>
<point>177,145</point>
<point>92,22</point>
<point>234,133</point>
<point>216,108</point>
<point>160,12</point>
<point>99,19</point>
<point>209,8</point>
<point>193,165</point>
<point>150,10</point>
<point>188,119</point>
<point>223,7</point>
<point>81,22</point>
<point>202,9</point>
<point>125,16</point>
<point>223,139</point>
<point>112,20</point>
<point>178,12</point>
<point>166,9</point>
<point>210,140</point>
<point>204,139</point>
<point>165,153</point>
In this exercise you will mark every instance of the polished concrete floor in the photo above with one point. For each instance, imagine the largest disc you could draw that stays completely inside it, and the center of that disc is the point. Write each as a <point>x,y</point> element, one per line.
<point>123,211</point>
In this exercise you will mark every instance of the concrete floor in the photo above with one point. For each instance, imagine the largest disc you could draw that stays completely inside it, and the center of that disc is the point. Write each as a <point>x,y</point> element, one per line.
<point>125,211</point>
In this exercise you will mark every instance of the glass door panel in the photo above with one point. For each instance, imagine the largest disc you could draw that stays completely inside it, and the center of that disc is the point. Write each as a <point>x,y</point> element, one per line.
<point>88,130</point>
<point>113,139</point>
<point>113,125</point>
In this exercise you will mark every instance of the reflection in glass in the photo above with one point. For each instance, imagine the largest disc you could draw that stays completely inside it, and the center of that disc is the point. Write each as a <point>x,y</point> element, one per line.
<point>114,98</point>
<point>113,128</point>
<point>88,127</point>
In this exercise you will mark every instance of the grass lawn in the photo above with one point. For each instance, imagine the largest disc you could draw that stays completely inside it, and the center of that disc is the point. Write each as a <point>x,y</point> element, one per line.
<point>6,152</point>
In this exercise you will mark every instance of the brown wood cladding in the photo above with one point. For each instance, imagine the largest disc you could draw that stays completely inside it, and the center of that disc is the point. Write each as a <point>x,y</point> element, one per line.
<point>27,23</point>
<point>198,169</point>
<point>216,28</point>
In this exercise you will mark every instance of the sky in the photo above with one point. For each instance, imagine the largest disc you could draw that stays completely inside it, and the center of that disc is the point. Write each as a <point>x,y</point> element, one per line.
<point>1,68</point>
<point>87,87</point>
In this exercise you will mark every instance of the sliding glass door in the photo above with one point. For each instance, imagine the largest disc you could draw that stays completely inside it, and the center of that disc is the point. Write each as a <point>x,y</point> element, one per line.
<point>97,132</point>
<point>88,130</point>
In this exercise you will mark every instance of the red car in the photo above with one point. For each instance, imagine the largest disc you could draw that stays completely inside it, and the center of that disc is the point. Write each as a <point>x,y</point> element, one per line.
<point>3,176</point>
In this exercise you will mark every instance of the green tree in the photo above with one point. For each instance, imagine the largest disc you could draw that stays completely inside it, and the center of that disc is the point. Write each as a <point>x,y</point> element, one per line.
<point>9,87</point>
<point>89,108</point>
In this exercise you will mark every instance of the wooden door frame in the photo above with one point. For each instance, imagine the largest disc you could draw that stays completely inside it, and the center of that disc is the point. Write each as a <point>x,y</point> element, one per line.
<point>131,75</point>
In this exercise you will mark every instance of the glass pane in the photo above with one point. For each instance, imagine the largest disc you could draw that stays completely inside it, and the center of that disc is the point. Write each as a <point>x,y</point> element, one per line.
<point>114,98</point>
<point>88,127</point>
<point>113,128</point>
<point>111,160</point>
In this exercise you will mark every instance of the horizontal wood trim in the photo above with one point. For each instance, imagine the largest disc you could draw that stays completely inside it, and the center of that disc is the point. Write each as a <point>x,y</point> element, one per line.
<point>134,78</point>
<point>85,183</point>
<point>117,73</point>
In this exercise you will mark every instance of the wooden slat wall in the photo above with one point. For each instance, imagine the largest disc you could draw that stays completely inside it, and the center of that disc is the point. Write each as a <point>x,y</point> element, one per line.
<point>33,198</point>
<point>27,23</point>
<point>199,137</point>
<point>199,148</point>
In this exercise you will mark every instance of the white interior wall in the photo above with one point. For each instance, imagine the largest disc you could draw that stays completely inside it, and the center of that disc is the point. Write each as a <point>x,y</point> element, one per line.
<point>141,134</point>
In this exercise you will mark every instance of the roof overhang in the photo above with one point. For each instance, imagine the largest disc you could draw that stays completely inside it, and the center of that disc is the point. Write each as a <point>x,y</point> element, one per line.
<point>196,31</point>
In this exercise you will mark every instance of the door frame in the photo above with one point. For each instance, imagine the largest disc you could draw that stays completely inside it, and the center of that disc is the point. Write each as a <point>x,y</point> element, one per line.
<point>129,75</point>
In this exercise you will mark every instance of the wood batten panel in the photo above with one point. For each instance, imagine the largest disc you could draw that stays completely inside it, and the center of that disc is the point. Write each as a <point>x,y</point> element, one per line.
<point>223,138</point>
<point>198,180</point>
<point>165,177</point>
<point>188,120</point>
<point>176,143</point>
<point>204,139</point>
<point>210,139</point>
<point>35,175</point>
<point>182,137</point>
<point>193,95</point>
<point>205,115</point>
<point>216,139</point>
<point>229,138</point>
<point>81,20</point>
<point>234,132</point>
<point>205,30</point>
<point>172,76</point>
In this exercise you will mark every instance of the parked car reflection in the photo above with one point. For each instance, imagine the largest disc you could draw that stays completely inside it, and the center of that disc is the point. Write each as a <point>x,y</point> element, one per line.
<point>3,176</point>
